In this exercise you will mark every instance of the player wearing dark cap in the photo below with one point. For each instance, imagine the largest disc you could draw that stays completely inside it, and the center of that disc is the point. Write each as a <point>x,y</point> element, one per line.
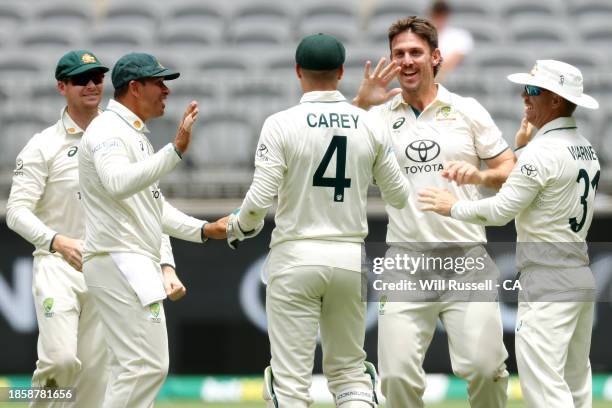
<point>319,157</point>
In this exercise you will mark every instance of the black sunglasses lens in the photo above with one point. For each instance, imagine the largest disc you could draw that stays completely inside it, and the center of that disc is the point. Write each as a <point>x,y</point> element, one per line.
<point>83,80</point>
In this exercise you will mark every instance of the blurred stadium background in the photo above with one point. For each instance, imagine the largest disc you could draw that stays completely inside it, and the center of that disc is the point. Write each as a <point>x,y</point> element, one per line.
<point>236,59</point>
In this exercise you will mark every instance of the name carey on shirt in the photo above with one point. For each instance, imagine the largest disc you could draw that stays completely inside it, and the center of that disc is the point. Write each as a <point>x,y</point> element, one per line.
<point>582,152</point>
<point>331,119</point>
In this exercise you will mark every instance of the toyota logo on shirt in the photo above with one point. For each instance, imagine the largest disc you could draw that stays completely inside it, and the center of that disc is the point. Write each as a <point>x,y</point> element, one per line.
<point>422,151</point>
<point>529,170</point>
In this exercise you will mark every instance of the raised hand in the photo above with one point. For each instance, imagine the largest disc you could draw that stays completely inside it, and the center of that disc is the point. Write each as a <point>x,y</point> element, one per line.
<point>373,88</point>
<point>524,133</point>
<point>183,135</point>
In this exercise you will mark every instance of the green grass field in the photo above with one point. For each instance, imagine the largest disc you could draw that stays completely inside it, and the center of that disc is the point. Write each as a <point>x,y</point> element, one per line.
<point>449,404</point>
<point>190,404</point>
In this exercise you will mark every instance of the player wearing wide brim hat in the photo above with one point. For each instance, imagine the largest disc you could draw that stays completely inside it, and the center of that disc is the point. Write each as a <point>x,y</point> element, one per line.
<point>550,195</point>
<point>559,77</point>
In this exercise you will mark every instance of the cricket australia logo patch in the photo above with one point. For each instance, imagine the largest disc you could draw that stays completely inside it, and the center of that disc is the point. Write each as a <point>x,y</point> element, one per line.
<point>48,307</point>
<point>529,170</point>
<point>445,113</point>
<point>155,309</point>
<point>381,305</point>
<point>18,167</point>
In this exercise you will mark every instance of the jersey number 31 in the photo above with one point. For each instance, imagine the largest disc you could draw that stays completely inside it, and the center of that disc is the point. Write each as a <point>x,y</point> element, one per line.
<point>576,225</point>
<point>339,183</point>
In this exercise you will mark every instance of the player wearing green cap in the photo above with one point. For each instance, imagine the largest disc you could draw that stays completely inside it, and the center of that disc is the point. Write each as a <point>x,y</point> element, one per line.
<point>44,207</point>
<point>125,214</point>
<point>319,157</point>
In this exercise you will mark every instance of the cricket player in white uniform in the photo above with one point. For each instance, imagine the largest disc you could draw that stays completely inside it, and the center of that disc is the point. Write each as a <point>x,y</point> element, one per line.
<point>319,157</point>
<point>44,208</point>
<point>550,192</point>
<point>126,214</point>
<point>436,133</point>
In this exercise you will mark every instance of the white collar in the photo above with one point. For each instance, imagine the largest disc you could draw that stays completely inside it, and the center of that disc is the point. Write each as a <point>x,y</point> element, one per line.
<point>561,123</point>
<point>127,115</point>
<point>323,96</point>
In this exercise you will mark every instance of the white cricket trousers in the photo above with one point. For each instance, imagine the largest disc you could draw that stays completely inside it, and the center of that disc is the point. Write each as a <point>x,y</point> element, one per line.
<point>475,343</point>
<point>553,340</point>
<point>299,301</point>
<point>71,348</point>
<point>136,336</point>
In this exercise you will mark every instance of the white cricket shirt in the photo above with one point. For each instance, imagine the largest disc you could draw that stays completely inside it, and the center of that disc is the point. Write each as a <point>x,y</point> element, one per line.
<point>550,192</point>
<point>45,198</point>
<point>451,127</point>
<point>319,157</point>
<point>119,175</point>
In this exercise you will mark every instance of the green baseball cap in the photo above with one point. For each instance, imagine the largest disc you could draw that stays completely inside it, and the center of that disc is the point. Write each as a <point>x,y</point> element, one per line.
<point>77,62</point>
<point>320,52</point>
<point>138,65</point>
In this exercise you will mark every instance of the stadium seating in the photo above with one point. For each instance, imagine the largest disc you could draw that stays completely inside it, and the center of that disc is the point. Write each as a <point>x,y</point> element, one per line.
<point>237,58</point>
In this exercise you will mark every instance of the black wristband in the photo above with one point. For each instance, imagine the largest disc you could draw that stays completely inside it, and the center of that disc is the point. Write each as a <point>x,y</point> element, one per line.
<point>167,264</point>
<point>177,151</point>
<point>51,244</point>
<point>202,234</point>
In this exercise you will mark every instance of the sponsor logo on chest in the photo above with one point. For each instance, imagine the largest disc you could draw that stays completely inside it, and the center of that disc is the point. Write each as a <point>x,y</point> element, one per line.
<point>422,153</point>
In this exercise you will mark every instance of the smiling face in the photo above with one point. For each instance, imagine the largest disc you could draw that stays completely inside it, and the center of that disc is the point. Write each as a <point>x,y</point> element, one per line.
<point>152,95</point>
<point>83,91</point>
<point>540,109</point>
<point>416,60</point>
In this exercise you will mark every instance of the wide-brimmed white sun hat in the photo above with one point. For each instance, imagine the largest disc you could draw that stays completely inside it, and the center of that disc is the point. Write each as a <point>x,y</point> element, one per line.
<point>563,79</point>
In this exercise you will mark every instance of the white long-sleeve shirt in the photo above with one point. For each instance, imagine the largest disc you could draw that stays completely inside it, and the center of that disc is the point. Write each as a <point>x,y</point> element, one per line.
<point>45,198</point>
<point>451,127</point>
<point>550,192</point>
<point>319,157</point>
<point>119,174</point>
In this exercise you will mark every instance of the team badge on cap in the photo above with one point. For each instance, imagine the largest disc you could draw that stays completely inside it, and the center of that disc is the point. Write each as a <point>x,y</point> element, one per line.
<point>88,59</point>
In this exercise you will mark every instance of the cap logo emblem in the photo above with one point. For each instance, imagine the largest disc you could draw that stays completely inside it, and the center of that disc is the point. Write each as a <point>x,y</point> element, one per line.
<point>561,80</point>
<point>88,59</point>
<point>534,70</point>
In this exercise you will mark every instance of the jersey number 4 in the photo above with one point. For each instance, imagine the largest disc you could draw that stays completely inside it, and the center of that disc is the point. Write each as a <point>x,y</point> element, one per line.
<point>583,175</point>
<point>339,183</point>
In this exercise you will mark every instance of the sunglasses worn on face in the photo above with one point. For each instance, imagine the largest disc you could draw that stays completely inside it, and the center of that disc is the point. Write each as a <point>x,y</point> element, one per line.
<point>532,90</point>
<point>84,78</point>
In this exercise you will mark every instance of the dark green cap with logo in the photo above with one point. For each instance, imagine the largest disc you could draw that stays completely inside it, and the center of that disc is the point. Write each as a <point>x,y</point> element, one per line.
<point>139,65</point>
<point>320,52</point>
<point>77,62</point>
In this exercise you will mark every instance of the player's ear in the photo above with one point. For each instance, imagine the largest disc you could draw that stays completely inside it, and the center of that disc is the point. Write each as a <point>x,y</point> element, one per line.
<point>298,71</point>
<point>61,87</point>
<point>436,57</point>
<point>340,72</point>
<point>134,87</point>
<point>556,101</point>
